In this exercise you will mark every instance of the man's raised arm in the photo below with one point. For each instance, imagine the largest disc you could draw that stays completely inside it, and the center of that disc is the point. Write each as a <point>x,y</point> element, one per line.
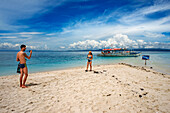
<point>27,55</point>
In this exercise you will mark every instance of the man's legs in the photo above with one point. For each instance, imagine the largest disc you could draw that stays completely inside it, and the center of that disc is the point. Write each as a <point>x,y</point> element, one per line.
<point>21,76</point>
<point>25,78</point>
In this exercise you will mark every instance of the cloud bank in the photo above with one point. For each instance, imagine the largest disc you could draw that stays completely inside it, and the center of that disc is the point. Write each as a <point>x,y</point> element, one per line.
<point>117,41</point>
<point>10,46</point>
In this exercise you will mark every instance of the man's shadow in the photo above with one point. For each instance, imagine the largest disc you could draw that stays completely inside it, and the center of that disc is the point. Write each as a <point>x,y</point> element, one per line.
<point>32,84</point>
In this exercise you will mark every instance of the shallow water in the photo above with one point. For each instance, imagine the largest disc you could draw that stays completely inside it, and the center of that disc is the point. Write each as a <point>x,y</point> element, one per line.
<point>47,61</point>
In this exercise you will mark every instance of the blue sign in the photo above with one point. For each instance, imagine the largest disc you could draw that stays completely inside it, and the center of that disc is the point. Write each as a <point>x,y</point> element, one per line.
<point>145,57</point>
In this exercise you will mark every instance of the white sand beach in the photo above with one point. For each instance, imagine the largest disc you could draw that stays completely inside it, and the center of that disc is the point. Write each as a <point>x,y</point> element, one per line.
<point>119,88</point>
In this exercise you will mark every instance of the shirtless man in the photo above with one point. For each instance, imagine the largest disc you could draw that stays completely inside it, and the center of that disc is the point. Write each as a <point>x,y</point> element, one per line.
<point>23,67</point>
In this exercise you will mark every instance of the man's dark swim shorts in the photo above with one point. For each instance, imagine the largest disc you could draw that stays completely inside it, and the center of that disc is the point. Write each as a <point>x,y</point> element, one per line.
<point>23,65</point>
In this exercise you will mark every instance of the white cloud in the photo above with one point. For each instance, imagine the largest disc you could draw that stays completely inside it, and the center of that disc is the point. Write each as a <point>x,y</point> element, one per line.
<point>154,35</point>
<point>46,47</point>
<point>32,47</point>
<point>139,15</point>
<point>62,47</point>
<point>87,36</point>
<point>50,34</point>
<point>30,33</point>
<point>117,41</point>
<point>8,37</point>
<point>6,33</point>
<point>22,33</point>
<point>27,36</point>
<point>155,8</point>
<point>10,46</point>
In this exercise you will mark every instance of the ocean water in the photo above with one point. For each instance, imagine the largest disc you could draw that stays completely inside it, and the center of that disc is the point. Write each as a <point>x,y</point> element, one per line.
<point>47,61</point>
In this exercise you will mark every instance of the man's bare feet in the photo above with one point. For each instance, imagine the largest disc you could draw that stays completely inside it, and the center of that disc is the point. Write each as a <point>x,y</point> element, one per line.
<point>23,86</point>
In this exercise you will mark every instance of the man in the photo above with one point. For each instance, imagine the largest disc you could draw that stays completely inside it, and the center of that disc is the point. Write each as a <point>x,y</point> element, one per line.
<point>23,67</point>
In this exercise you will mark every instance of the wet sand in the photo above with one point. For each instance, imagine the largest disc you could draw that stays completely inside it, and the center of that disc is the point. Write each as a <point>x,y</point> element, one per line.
<point>120,88</point>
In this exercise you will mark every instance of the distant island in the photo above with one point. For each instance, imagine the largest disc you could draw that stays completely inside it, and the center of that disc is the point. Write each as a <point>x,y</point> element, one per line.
<point>140,49</point>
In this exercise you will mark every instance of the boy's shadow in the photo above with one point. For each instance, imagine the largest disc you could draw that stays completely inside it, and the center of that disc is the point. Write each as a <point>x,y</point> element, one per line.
<point>32,84</point>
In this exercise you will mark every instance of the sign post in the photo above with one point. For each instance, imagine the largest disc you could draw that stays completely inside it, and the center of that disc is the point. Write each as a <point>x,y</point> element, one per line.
<point>145,57</point>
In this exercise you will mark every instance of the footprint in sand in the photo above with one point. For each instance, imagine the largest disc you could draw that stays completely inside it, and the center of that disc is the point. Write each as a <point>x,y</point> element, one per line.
<point>145,93</point>
<point>141,89</point>
<point>30,103</point>
<point>104,70</point>
<point>109,95</point>
<point>140,96</point>
<point>96,72</point>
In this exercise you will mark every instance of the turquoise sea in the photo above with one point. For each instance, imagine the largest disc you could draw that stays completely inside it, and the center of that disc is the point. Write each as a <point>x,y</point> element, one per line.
<point>47,61</point>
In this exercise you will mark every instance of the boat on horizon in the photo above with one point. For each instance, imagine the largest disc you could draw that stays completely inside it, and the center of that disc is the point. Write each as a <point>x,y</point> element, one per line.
<point>118,52</point>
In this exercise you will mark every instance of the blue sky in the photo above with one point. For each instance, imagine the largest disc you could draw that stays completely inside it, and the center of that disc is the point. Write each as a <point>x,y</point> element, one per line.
<point>84,24</point>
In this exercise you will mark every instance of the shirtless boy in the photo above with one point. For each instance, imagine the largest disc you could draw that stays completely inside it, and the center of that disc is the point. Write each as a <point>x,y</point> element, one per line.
<point>23,67</point>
